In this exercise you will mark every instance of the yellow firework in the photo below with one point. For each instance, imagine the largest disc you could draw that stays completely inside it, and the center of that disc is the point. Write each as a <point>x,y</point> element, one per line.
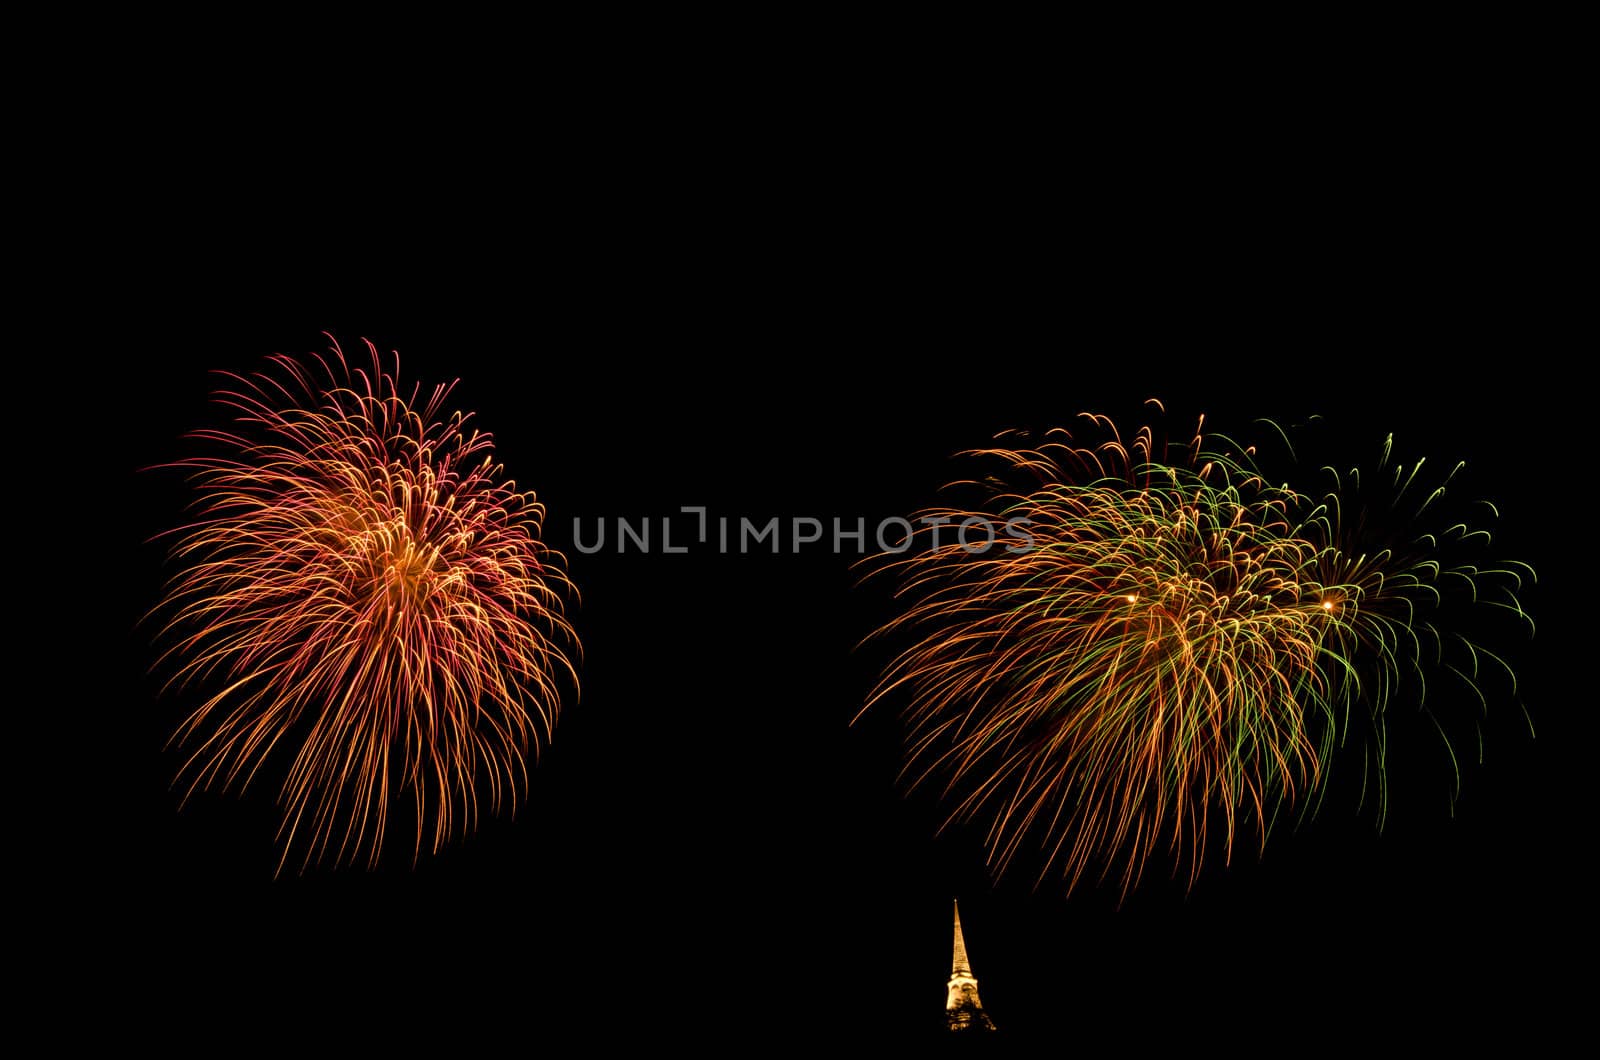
<point>1149,674</point>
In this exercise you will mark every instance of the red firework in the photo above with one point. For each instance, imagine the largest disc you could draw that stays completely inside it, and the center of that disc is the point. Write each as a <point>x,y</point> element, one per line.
<point>363,592</point>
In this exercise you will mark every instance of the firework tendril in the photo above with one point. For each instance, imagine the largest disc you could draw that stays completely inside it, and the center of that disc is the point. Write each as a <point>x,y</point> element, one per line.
<point>361,591</point>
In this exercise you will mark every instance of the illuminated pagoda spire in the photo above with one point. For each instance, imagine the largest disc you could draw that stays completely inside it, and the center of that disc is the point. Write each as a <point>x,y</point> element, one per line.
<point>962,1009</point>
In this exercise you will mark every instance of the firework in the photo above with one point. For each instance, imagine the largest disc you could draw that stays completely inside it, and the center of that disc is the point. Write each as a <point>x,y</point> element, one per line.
<point>1421,597</point>
<point>1167,667</point>
<point>361,592</point>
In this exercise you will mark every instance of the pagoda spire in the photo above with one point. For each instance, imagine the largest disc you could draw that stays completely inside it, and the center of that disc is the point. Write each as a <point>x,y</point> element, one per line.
<point>962,1009</point>
<point>959,964</point>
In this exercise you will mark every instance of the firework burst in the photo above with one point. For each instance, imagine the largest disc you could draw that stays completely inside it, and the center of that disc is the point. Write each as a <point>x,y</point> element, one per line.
<point>1167,666</point>
<point>361,591</point>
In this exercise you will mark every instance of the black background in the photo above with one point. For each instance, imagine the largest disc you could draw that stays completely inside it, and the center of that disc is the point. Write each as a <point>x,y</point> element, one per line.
<point>709,846</point>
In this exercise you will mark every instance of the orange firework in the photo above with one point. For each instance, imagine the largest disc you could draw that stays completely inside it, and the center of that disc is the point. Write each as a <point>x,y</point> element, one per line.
<point>362,590</point>
<point>1149,672</point>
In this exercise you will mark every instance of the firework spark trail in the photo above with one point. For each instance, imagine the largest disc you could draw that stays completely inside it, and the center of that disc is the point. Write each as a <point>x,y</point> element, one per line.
<point>1180,647</point>
<point>368,593</point>
<point>1420,590</point>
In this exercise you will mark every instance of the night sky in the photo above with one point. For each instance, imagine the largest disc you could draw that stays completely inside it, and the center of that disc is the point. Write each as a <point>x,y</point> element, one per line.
<point>709,846</point>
